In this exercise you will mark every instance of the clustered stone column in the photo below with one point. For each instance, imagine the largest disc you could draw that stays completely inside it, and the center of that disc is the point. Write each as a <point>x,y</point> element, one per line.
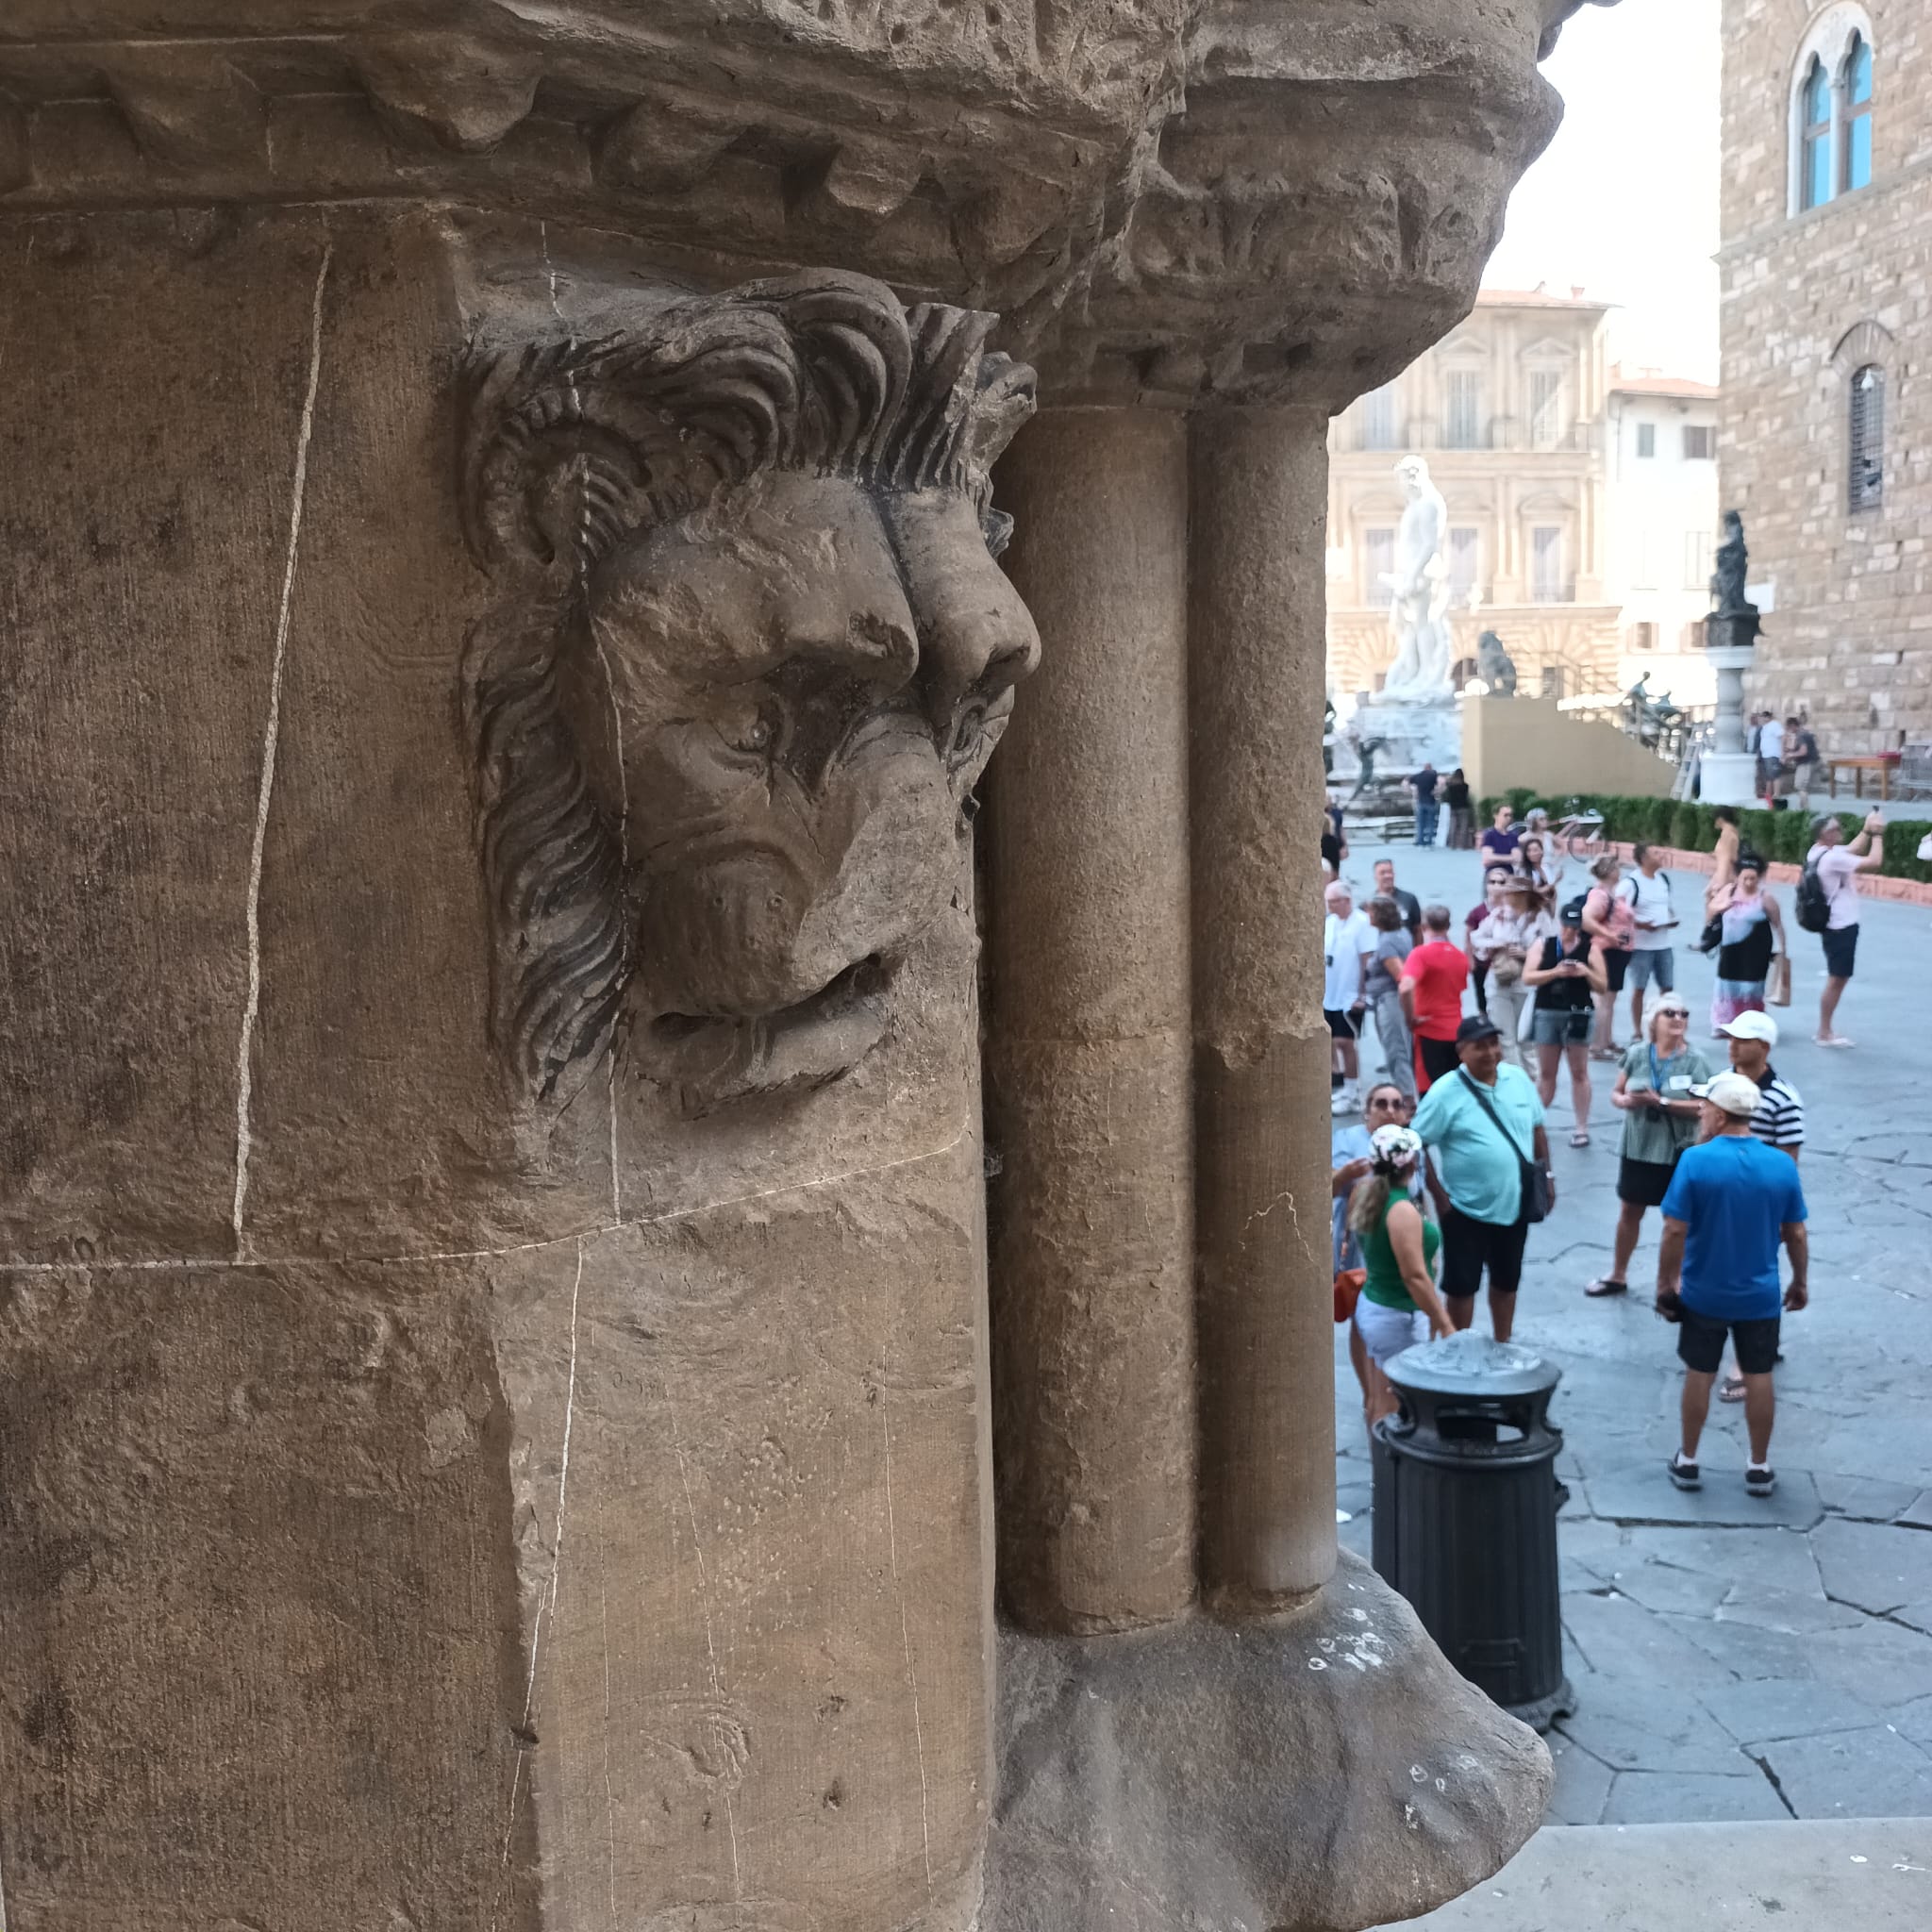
<point>1090,1063</point>
<point>1256,625</point>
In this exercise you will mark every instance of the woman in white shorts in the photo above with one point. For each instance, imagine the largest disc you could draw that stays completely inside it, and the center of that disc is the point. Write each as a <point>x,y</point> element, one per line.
<point>1399,1303</point>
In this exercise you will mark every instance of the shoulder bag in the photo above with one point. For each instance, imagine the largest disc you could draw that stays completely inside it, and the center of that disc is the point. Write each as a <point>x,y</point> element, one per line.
<point>1535,1180</point>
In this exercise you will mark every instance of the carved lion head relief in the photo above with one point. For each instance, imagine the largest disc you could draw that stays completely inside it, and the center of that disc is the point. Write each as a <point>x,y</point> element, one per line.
<point>752,655</point>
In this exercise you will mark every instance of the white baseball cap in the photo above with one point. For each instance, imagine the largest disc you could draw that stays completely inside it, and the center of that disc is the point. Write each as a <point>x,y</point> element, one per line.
<point>1752,1026</point>
<point>1396,1146</point>
<point>1733,1092</point>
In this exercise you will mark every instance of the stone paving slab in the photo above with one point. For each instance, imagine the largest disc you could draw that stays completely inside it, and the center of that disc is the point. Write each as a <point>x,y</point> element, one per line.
<point>1709,1632</point>
<point>1869,1875</point>
<point>1853,1774</point>
<point>1874,1566</point>
<point>1583,1783</point>
<point>1767,1710</point>
<point>1652,1797</point>
<point>1642,1494</point>
<point>1744,1651</point>
<point>1786,1610</point>
<point>1768,1559</point>
<point>1663,1729</point>
<point>1880,1657</point>
<point>1865,1500</point>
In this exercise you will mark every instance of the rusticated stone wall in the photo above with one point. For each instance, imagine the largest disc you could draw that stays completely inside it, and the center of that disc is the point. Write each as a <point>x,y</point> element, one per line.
<point>1808,300</point>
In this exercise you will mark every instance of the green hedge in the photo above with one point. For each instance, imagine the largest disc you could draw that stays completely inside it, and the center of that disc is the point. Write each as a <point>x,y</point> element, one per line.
<point>1692,827</point>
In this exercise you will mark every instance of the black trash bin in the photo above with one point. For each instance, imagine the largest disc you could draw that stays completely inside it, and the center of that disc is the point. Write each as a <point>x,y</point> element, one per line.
<point>1465,1515</point>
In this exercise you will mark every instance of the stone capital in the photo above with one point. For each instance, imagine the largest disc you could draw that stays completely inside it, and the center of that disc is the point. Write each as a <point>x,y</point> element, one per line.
<point>1169,201</point>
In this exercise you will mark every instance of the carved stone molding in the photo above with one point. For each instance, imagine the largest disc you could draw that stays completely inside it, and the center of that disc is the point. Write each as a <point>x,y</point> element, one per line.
<point>1169,201</point>
<point>958,150</point>
<point>1316,211</point>
<point>751,654</point>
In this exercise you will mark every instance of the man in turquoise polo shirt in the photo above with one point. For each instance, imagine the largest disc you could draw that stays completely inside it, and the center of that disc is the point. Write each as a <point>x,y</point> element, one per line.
<point>1731,1202</point>
<point>1482,1125</point>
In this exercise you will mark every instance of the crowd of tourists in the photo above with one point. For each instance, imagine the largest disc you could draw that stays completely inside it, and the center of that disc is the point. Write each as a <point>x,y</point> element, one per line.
<point>1444,1171</point>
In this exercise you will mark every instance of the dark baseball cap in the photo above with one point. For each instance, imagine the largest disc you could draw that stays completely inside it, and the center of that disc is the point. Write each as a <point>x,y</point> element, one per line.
<point>1477,1026</point>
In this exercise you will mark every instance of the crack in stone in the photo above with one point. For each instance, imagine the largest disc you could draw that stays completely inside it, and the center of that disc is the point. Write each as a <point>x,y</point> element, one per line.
<point>1771,1777</point>
<point>251,1010</point>
<point>546,1601</point>
<point>905,1644</point>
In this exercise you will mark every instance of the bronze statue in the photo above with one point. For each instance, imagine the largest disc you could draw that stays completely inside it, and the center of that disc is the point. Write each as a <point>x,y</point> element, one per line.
<point>1733,562</point>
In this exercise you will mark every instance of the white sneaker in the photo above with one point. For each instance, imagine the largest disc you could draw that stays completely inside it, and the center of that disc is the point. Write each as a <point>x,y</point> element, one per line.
<point>1348,1100</point>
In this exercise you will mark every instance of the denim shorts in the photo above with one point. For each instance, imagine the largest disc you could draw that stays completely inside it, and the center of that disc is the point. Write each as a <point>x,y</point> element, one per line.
<point>1652,966</point>
<point>1562,1028</point>
<point>1840,951</point>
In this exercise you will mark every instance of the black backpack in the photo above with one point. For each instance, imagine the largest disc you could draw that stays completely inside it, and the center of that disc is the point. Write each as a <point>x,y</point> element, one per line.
<point>1814,902</point>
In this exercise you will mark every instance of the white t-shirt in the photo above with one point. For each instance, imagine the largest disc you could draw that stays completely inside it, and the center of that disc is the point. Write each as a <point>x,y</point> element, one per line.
<point>1837,873</point>
<point>1343,943</point>
<point>1771,739</point>
<point>1649,899</point>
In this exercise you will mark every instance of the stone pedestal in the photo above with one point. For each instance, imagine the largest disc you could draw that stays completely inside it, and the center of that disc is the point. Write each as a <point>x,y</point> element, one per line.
<point>1728,774</point>
<point>503,637</point>
<point>1411,734</point>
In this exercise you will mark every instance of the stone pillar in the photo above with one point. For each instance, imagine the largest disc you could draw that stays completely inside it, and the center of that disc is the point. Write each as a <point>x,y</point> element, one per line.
<point>1255,626</point>
<point>1090,1046</point>
<point>1727,773</point>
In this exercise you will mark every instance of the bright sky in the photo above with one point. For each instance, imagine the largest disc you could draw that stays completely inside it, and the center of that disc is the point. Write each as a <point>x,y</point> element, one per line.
<point>1624,201</point>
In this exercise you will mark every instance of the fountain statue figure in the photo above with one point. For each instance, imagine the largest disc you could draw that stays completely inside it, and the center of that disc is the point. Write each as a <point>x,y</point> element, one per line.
<point>1420,588</point>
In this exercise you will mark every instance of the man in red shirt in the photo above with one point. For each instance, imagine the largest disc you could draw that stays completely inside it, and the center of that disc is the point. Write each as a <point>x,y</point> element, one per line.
<point>1432,983</point>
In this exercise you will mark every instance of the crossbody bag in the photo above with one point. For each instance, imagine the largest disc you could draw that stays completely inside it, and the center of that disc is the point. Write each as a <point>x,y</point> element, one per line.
<point>1535,1180</point>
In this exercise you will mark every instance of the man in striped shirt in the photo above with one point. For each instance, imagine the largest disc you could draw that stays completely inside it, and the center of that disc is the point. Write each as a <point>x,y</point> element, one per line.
<point>1779,1120</point>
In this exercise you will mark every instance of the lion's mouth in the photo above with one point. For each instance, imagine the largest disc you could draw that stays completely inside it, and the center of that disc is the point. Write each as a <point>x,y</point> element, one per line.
<point>711,1058</point>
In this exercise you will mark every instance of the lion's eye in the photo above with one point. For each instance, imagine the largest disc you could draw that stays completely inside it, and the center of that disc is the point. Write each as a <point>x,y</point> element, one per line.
<point>756,737</point>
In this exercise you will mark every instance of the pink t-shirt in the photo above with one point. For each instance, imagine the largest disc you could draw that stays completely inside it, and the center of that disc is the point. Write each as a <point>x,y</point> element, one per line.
<point>1837,873</point>
<point>1613,909</point>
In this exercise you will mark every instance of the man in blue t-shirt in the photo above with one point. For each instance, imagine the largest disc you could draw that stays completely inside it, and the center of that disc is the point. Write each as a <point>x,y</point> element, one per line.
<point>1483,1125</point>
<point>1731,1202</point>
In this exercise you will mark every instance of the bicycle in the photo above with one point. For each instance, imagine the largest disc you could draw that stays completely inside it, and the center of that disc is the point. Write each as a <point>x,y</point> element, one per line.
<point>1580,835</point>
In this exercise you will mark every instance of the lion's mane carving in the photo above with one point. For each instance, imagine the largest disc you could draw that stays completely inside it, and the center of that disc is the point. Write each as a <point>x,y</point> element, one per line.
<point>751,642</point>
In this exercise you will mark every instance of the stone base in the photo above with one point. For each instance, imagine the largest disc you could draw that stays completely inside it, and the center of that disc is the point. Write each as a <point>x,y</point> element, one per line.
<point>1323,1768</point>
<point>1412,735</point>
<point>1727,778</point>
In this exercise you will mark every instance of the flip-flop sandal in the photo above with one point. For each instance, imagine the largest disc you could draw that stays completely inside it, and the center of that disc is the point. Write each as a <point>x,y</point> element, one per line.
<point>1733,1389</point>
<point>1579,1139</point>
<point>1603,1285</point>
<point>1838,1040</point>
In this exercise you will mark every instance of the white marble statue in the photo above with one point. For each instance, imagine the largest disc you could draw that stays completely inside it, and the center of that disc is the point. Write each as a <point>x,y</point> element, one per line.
<point>1419,611</point>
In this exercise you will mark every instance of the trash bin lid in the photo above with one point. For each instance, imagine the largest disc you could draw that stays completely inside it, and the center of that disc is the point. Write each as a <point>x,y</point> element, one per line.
<point>1472,1364</point>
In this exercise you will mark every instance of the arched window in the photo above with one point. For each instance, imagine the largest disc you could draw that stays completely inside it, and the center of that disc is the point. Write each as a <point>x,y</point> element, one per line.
<point>1856,167</point>
<point>1815,163</point>
<point>1833,90</point>
<point>1867,467</point>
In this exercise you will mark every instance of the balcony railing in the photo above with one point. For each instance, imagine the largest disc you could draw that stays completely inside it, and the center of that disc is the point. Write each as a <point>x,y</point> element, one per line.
<point>1494,433</point>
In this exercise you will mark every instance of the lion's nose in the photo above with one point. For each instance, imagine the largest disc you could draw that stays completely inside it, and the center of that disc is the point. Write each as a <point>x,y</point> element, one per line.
<point>976,636</point>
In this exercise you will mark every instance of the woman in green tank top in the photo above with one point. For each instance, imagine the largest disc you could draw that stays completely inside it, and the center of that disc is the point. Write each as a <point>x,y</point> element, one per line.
<point>1399,1305</point>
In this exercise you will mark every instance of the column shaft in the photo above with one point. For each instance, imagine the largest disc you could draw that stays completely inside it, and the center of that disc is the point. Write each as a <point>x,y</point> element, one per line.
<point>1261,1049</point>
<point>1088,1058</point>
